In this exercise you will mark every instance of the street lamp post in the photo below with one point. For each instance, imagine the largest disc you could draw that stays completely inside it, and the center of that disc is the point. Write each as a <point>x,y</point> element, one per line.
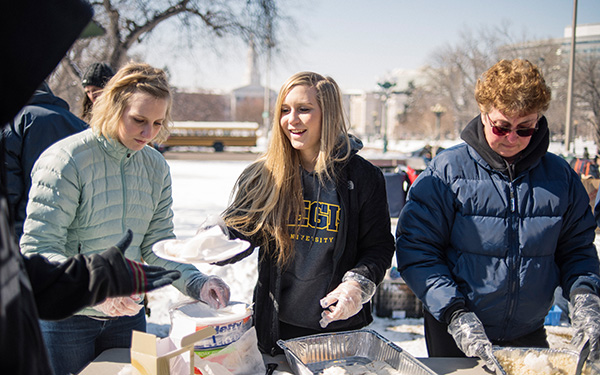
<point>438,111</point>
<point>386,86</point>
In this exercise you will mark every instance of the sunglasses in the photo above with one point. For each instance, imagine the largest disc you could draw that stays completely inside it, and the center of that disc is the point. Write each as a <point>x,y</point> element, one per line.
<point>503,130</point>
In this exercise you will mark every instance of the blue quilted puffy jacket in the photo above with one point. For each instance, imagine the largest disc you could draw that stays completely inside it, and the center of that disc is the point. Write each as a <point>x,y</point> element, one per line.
<point>470,235</point>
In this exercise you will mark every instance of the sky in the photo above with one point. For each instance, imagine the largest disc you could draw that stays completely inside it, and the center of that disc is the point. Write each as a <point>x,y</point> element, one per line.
<point>360,42</point>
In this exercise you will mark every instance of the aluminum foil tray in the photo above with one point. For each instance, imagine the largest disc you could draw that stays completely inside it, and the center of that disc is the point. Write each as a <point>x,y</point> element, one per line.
<point>592,368</point>
<point>310,355</point>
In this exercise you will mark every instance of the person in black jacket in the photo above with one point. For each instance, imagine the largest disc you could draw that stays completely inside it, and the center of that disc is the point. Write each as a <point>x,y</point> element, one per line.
<point>93,81</point>
<point>43,121</point>
<point>319,214</point>
<point>32,288</point>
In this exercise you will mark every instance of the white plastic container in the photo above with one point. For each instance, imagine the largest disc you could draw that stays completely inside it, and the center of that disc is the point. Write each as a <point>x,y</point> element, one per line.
<point>230,323</point>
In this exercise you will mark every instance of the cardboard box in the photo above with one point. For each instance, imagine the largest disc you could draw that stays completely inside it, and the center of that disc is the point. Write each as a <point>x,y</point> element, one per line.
<point>153,356</point>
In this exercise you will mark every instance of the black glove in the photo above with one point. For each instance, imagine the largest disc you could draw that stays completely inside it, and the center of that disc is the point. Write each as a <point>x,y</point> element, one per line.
<point>143,278</point>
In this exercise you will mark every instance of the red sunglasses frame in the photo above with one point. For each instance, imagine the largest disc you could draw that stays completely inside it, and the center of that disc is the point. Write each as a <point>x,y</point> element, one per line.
<point>502,131</point>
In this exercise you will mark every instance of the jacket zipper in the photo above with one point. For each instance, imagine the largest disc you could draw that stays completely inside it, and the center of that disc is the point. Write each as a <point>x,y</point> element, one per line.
<point>513,255</point>
<point>124,191</point>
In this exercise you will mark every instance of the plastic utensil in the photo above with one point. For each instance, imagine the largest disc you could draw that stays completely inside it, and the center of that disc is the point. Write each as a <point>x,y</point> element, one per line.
<point>499,368</point>
<point>583,354</point>
<point>271,368</point>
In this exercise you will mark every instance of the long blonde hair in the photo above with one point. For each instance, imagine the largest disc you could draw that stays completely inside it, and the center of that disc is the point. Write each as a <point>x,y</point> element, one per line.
<point>268,194</point>
<point>131,78</point>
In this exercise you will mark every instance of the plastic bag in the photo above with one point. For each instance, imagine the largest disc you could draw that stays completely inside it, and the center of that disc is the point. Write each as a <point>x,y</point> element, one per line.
<point>241,357</point>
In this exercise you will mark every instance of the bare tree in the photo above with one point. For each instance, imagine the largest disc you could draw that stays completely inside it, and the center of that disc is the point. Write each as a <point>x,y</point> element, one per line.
<point>587,93</point>
<point>129,23</point>
<point>454,70</point>
<point>546,54</point>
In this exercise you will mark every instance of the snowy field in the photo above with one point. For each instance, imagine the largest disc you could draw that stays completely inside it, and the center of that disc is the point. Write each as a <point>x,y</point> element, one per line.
<point>202,188</point>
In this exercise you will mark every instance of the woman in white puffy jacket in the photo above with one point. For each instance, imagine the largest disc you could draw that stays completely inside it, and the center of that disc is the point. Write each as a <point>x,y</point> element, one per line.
<point>88,189</point>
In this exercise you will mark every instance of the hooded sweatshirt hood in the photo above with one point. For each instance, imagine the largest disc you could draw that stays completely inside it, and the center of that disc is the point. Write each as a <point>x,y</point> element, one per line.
<point>474,136</point>
<point>43,95</point>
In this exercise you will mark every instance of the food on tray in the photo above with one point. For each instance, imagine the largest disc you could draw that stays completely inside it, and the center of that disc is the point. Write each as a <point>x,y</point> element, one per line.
<point>533,362</point>
<point>373,368</point>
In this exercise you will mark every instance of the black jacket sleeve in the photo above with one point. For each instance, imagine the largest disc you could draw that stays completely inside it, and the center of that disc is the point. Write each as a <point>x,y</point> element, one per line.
<point>61,290</point>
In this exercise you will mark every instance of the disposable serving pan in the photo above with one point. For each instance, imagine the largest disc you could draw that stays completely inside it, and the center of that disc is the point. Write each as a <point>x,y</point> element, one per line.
<point>592,368</point>
<point>313,354</point>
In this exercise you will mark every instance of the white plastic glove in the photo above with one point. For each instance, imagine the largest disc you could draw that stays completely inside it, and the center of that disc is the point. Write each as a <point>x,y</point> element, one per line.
<point>213,221</point>
<point>469,335</point>
<point>211,290</point>
<point>215,292</point>
<point>585,318</point>
<point>121,306</point>
<point>354,291</point>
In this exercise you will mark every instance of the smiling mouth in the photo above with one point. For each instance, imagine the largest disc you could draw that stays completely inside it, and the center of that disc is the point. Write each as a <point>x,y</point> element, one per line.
<point>298,132</point>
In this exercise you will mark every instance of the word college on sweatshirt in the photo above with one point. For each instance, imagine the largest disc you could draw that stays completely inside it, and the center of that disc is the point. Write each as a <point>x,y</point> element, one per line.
<point>321,216</point>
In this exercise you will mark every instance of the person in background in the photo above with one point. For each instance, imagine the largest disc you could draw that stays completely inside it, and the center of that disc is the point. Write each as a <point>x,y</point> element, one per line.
<point>44,120</point>
<point>495,224</point>
<point>35,35</point>
<point>319,214</point>
<point>93,81</point>
<point>87,188</point>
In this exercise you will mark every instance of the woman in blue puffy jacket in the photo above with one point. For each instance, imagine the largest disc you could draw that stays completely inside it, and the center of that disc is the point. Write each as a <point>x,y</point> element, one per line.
<point>495,224</point>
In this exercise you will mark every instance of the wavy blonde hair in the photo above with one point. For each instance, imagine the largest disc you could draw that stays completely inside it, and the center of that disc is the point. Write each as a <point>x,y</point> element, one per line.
<point>515,88</point>
<point>130,79</point>
<point>268,194</point>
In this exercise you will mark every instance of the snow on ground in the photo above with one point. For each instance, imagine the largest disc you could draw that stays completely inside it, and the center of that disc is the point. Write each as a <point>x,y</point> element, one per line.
<point>202,188</point>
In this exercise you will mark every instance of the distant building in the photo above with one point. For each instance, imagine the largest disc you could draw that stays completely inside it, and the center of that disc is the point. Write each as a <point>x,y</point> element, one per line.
<point>367,113</point>
<point>201,107</point>
<point>587,39</point>
<point>587,42</point>
<point>248,101</point>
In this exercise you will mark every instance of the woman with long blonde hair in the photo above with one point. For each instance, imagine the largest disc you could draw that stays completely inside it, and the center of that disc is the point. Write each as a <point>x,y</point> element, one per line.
<point>318,212</point>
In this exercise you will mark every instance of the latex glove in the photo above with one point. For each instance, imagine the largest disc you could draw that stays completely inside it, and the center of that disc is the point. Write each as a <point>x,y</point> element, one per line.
<point>469,334</point>
<point>585,318</point>
<point>213,221</point>
<point>131,277</point>
<point>209,289</point>
<point>121,306</point>
<point>347,299</point>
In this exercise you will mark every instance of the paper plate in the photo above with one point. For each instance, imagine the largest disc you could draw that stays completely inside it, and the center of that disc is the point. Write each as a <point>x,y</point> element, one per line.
<point>207,247</point>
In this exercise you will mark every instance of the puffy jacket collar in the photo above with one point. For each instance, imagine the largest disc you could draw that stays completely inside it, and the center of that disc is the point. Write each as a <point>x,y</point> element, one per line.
<point>114,148</point>
<point>474,136</point>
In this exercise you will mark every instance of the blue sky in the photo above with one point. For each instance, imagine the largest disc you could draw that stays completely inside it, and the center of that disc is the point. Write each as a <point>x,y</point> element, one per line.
<point>359,41</point>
